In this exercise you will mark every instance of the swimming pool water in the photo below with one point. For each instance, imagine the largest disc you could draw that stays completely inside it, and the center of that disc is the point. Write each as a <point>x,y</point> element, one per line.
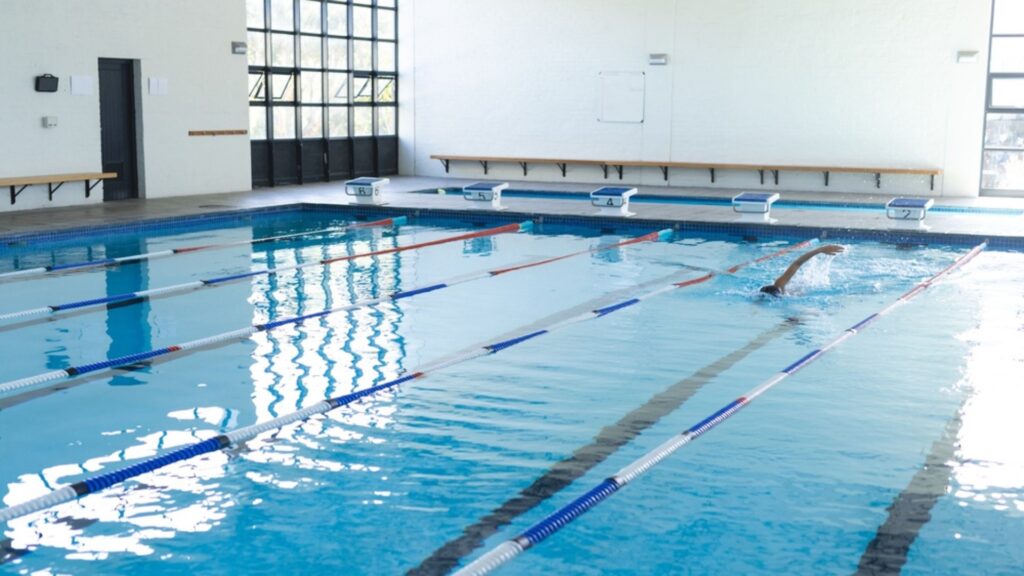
<point>799,482</point>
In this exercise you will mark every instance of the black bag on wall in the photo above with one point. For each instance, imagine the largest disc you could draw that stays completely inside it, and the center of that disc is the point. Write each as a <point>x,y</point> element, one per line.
<point>46,83</point>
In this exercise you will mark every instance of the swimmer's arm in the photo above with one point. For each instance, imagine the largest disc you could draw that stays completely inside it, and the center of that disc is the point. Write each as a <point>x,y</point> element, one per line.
<point>786,276</point>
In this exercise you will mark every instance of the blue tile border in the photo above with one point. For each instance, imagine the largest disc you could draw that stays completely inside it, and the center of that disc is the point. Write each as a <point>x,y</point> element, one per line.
<point>746,231</point>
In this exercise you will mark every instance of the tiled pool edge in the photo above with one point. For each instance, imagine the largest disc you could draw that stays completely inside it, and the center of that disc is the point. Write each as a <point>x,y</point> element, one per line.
<point>753,229</point>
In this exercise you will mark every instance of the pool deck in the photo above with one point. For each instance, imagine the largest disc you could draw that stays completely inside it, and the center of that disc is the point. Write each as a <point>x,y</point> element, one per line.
<point>402,192</point>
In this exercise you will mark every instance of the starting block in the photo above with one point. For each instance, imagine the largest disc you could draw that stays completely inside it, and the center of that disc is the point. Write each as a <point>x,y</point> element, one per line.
<point>754,202</point>
<point>366,190</point>
<point>485,192</point>
<point>612,200</point>
<point>915,209</point>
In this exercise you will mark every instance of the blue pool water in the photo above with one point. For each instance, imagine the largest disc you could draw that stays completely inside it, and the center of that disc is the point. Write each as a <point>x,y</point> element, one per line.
<point>799,482</point>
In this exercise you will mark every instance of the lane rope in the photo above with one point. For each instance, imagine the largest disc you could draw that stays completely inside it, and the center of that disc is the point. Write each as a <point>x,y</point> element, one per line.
<point>537,533</point>
<point>222,441</point>
<point>135,297</point>
<point>111,262</point>
<point>241,333</point>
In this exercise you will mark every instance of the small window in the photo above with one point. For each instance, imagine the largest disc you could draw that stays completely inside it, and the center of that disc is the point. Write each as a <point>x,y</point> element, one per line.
<point>386,25</point>
<point>284,123</point>
<point>1008,17</point>
<point>385,90</point>
<point>282,15</point>
<point>1003,170</point>
<point>254,15</point>
<point>337,88</point>
<point>312,88</point>
<point>310,52</point>
<point>363,121</point>
<point>362,22</point>
<point>362,55</point>
<point>1007,55</point>
<point>362,91</point>
<point>1007,93</point>
<point>386,56</point>
<point>258,123</point>
<point>337,19</point>
<point>257,48</point>
<point>283,87</point>
<point>312,122</point>
<point>257,87</point>
<point>282,50</point>
<point>309,17</point>
<point>386,121</point>
<point>337,54</point>
<point>338,122</point>
<point>1004,131</point>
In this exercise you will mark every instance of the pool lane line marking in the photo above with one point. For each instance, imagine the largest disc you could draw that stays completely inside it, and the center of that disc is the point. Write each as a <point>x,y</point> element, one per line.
<point>54,375</point>
<point>506,551</point>
<point>911,508</point>
<point>136,297</point>
<point>606,443</point>
<point>111,262</point>
<point>241,435</point>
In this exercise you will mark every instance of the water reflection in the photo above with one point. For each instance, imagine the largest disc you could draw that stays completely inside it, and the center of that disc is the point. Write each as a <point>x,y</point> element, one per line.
<point>291,367</point>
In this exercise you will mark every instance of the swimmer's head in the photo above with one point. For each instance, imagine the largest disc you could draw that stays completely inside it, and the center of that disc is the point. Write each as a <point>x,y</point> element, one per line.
<point>771,290</point>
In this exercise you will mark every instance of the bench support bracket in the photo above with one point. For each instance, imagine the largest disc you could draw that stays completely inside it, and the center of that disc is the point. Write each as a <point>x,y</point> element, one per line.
<point>15,191</point>
<point>826,178</point>
<point>447,164</point>
<point>484,164</point>
<point>89,186</point>
<point>761,172</point>
<point>878,179</point>
<point>562,165</point>
<point>933,182</point>
<point>53,188</point>
<point>523,164</point>
<point>775,174</point>
<point>712,170</point>
<point>664,172</point>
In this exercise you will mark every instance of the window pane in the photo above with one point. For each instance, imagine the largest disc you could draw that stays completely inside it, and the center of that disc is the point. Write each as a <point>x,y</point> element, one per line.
<point>386,24</point>
<point>257,87</point>
<point>312,88</point>
<point>337,88</point>
<point>284,123</point>
<point>1008,17</point>
<point>362,21</point>
<point>309,16</point>
<point>337,19</point>
<point>338,122</point>
<point>363,121</point>
<point>309,48</point>
<point>387,3</point>
<point>257,45</point>
<point>362,90</point>
<point>386,121</point>
<point>312,122</point>
<point>1004,131</point>
<point>385,89</point>
<point>282,50</point>
<point>362,55</point>
<point>1008,93</point>
<point>282,15</point>
<point>386,57</point>
<point>283,88</point>
<point>254,17</point>
<point>1007,55</point>
<point>1003,170</point>
<point>337,54</point>
<point>258,123</point>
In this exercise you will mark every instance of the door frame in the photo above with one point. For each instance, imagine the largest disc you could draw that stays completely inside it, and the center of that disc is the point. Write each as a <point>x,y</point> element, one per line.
<point>135,118</point>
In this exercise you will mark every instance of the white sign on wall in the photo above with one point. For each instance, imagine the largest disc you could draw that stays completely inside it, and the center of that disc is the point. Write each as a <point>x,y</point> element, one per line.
<point>621,97</point>
<point>81,85</point>
<point>158,86</point>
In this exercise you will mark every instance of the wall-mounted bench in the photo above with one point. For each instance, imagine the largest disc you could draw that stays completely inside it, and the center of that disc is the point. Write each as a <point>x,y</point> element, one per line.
<point>55,181</point>
<point>711,167</point>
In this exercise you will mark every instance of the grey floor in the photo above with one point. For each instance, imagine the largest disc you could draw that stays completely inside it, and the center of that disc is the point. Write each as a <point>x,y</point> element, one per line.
<point>405,191</point>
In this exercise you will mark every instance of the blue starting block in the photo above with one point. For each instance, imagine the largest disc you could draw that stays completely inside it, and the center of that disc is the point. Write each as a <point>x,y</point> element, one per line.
<point>908,208</point>
<point>613,201</point>
<point>366,190</point>
<point>485,192</point>
<point>754,202</point>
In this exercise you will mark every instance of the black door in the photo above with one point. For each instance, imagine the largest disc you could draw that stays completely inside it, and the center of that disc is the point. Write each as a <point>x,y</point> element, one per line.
<point>117,126</point>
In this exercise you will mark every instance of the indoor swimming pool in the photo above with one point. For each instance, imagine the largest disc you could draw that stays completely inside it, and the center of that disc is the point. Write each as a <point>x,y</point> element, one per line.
<point>514,366</point>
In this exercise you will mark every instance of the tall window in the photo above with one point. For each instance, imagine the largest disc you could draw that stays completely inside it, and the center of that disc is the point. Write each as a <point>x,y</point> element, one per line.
<point>321,72</point>
<point>1003,153</point>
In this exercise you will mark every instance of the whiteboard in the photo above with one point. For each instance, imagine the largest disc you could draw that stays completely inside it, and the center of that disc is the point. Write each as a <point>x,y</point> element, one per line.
<point>621,97</point>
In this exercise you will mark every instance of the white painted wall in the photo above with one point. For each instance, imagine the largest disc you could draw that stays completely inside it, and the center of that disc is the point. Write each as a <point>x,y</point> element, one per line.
<point>837,82</point>
<point>186,41</point>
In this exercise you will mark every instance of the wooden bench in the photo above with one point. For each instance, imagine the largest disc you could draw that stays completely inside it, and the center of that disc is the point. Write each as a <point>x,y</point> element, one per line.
<point>711,167</point>
<point>18,185</point>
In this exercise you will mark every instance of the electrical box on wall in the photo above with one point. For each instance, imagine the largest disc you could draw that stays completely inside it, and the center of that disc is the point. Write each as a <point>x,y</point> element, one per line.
<point>49,121</point>
<point>46,83</point>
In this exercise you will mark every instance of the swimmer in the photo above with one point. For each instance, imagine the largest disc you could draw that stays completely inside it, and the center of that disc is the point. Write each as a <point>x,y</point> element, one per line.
<point>778,288</point>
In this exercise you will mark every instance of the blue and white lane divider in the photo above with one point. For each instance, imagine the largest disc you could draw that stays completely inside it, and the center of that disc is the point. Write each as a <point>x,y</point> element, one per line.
<point>110,262</point>
<point>210,282</point>
<point>508,550</point>
<point>54,375</point>
<point>102,481</point>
